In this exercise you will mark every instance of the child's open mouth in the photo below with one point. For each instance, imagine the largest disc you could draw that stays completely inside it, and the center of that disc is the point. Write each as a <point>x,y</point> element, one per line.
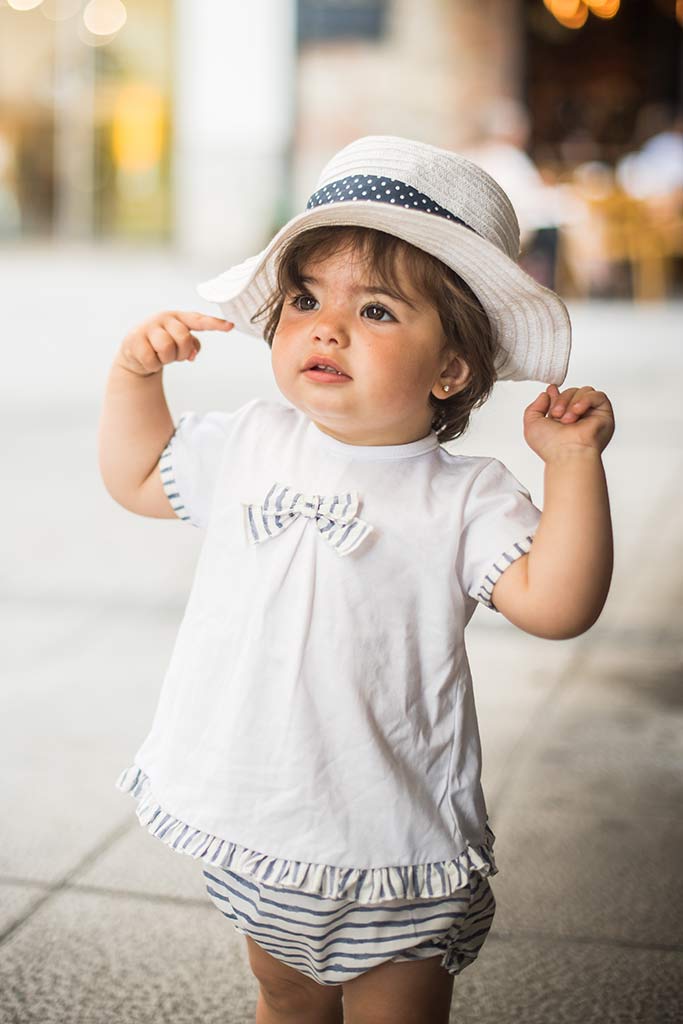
<point>326,376</point>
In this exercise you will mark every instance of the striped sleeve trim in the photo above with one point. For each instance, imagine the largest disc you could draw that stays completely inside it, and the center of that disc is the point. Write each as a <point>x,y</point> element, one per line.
<point>498,567</point>
<point>170,484</point>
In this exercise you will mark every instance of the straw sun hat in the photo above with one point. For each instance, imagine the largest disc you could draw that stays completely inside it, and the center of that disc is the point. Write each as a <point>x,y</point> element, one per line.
<point>441,203</point>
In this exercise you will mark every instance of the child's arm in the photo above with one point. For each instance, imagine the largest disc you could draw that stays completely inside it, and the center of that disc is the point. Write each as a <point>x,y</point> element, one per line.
<point>135,424</point>
<point>559,588</point>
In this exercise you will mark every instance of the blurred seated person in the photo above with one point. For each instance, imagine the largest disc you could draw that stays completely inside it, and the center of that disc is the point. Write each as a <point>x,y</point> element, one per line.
<point>503,133</point>
<point>653,176</point>
<point>587,244</point>
<point>655,170</point>
<point>617,247</point>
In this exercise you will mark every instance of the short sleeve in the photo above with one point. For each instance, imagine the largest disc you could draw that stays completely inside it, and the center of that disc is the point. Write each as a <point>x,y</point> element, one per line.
<point>190,462</point>
<point>499,524</point>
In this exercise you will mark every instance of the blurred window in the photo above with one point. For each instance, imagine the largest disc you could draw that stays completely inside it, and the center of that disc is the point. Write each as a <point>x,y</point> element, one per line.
<point>340,19</point>
<point>85,120</point>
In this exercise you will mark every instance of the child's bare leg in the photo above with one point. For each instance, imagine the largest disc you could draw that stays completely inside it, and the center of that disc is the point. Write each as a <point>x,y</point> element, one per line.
<point>288,996</point>
<point>408,992</point>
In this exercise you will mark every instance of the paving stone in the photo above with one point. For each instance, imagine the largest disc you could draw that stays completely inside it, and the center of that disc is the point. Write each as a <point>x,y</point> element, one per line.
<point>611,743</point>
<point>514,676</point>
<point>25,645</point>
<point>89,550</point>
<point>140,863</point>
<point>88,958</point>
<point>587,874</point>
<point>519,980</point>
<point>73,722</point>
<point>15,902</point>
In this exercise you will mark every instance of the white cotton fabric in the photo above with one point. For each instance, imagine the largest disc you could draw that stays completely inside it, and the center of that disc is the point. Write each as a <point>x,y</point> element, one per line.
<point>316,726</point>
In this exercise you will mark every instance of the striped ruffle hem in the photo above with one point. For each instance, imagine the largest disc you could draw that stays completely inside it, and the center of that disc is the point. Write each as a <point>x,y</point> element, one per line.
<point>365,885</point>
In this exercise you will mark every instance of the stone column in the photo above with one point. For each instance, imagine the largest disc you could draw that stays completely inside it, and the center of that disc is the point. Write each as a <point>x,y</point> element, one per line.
<point>233,121</point>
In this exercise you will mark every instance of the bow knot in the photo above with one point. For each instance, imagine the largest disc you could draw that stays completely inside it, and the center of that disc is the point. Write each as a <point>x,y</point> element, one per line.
<point>334,516</point>
<point>307,505</point>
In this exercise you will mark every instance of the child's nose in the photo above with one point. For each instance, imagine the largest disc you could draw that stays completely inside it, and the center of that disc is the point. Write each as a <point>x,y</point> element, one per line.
<point>331,327</point>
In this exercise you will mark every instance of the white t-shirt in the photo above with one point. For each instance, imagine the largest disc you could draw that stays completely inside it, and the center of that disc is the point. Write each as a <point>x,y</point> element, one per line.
<point>316,727</point>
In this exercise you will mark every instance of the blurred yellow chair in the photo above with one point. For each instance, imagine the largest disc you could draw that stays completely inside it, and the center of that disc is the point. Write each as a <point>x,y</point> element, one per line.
<point>617,228</point>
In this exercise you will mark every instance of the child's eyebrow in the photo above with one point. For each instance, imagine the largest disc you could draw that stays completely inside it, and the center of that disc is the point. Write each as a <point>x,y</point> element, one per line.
<point>368,288</point>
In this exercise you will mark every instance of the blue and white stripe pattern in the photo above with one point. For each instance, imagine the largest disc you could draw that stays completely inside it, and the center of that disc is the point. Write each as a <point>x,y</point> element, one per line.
<point>335,516</point>
<point>168,479</point>
<point>494,573</point>
<point>334,941</point>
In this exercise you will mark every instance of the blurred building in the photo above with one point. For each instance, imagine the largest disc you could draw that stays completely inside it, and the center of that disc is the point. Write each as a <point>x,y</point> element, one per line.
<point>85,121</point>
<point>414,69</point>
<point>145,122</point>
<point>204,124</point>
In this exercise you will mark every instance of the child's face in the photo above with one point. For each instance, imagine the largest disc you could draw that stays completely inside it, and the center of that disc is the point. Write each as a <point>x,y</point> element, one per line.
<point>393,352</point>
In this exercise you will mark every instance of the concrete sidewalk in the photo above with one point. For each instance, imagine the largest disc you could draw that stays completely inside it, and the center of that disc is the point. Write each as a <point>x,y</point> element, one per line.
<point>101,923</point>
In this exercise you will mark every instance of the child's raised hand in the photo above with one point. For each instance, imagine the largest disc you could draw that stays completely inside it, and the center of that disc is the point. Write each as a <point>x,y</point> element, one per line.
<point>576,417</point>
<point>165,338</point>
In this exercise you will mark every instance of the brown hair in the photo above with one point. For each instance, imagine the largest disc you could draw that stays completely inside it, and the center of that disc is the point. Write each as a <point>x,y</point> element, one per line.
<point>467,329</point>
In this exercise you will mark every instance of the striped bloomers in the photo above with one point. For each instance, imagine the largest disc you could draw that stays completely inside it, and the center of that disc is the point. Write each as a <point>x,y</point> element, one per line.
<point>334,941</point>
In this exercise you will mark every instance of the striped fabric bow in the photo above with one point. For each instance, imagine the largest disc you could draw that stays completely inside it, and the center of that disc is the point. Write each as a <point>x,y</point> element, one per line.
<point>335,517</point>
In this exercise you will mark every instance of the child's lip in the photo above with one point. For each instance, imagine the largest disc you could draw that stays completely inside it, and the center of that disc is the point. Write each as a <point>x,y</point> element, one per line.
<point>315,360</point>
<point>325,376</point>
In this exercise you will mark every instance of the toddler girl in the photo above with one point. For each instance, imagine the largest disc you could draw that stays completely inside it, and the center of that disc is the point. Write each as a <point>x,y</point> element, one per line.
<point>315,744</point>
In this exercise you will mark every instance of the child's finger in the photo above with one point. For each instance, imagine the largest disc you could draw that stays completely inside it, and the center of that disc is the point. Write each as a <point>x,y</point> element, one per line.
<point>591,400</point>
<point>584,400</point>
<point>187,344</point>
<point>562,401</point>
<point>539,406</point>
<point>203,322</point>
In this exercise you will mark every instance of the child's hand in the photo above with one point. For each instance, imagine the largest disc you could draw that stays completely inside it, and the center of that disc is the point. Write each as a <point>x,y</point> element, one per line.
<point>577,417</point>
<point>165,338</point>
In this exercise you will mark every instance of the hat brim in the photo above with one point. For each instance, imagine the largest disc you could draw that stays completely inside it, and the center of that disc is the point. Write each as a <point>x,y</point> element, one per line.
<point>531,325</point>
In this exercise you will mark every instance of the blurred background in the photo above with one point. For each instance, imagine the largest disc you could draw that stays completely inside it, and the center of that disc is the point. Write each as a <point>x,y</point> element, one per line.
<point>142,123</point>
<point>146,146</point>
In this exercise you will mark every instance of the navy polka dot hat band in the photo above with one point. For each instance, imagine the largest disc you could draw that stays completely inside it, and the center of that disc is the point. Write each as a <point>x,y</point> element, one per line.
<point>441,203</point>
<point>379,189</point>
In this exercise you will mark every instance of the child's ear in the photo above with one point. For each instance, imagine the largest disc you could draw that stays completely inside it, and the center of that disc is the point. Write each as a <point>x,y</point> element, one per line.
<point>455,376</point>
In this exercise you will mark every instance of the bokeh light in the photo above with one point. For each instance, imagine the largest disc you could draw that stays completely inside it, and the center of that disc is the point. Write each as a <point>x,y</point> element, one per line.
<point>104,17</point>
<point>137,129</point>
<point>24,5</point>
<point>573,13</point>
<point>604,8</point>
<point>564,8</point>
<point>576,20</point>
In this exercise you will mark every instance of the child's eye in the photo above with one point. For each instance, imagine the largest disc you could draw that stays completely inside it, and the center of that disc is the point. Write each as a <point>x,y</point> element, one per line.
<point>298,299</point>
<point>376,311</point>
<point>376,307</point>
